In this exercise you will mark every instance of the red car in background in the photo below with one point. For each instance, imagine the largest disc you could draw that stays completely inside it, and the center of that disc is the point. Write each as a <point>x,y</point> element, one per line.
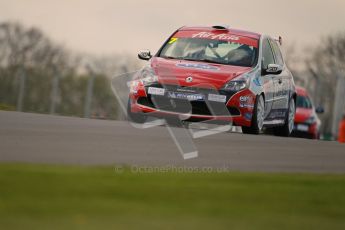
<point>307,123</point>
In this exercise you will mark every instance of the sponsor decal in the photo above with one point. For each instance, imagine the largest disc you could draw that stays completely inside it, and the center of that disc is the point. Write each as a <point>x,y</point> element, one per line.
<point>281,93</point>
<point>189,97</point>
<point>245,98</point>
<point>172,95</point>
<point>223,36</point>
<point>242,105</point>
<point>216,97</point>
<point>246,101</point>
<point>275,114</point>
<point>216,36</point>
<point>156,91</point>
<point>257,81</point>
<point>197,66</point>
<point>248,116</point>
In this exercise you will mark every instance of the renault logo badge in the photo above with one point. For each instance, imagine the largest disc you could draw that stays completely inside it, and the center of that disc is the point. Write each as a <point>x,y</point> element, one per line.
<point>189,79</point>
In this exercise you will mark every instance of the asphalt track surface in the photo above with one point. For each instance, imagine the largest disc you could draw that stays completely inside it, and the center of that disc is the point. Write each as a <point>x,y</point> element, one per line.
<point>26,137</point>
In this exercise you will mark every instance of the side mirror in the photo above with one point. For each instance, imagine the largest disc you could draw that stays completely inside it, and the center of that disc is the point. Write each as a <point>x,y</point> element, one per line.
<point>144,55</point>
<point>274,69</point>
<point>319,109</point>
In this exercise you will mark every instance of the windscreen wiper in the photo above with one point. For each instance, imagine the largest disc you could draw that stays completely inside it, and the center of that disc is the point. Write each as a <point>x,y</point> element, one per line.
<point>171,57</point>
<point>212,61</point>
<point>203,60</point>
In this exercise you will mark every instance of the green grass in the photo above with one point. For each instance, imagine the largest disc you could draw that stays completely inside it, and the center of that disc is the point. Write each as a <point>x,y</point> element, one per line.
<point>7,107</point>
<point>75,197</point>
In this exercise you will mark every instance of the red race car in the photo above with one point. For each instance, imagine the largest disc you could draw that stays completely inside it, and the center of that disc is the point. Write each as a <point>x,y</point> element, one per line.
<point>216,73</point>
<point>307,123</point>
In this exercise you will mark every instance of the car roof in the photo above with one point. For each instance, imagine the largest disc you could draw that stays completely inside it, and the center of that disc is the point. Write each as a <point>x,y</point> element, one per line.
<point>301,91</point>
<point>229,30</point>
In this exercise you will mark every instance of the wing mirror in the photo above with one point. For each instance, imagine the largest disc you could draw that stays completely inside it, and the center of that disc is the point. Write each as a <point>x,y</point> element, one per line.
<point>144,55</point>
<point>274,69</point>
<point>319,109</point>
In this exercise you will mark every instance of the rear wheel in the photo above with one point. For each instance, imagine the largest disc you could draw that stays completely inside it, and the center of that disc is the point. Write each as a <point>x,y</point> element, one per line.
<point>258,117</point>
<point>286,129</point>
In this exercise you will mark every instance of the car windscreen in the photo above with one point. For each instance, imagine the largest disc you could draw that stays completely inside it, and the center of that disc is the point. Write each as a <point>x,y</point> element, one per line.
<point>221,49</point>
<point>303,102</point>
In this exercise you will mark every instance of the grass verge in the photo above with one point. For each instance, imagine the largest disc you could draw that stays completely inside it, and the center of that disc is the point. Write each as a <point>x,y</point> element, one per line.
<point>78,197</point>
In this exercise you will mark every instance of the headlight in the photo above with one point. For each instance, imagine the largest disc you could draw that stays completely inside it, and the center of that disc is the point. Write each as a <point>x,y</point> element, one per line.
<point>235,85</point>
<point>148,76</point>
<point>149,79</point>
<point>133,86</point>
<point>239,83</point>
<point>242,81</point>
<point>145,77</point>
<point>310,120</point>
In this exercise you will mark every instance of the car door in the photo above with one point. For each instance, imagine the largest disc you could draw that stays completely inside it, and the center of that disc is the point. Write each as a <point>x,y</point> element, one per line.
<point>281,84</point>
<point>268,79</point>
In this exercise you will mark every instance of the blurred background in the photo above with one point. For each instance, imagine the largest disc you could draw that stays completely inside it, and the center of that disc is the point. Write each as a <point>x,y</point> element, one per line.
<point>57,57</point>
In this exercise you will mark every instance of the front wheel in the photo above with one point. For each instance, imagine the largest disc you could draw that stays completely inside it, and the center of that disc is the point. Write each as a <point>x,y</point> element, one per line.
<point>286,129</point>
<point>258,117</point>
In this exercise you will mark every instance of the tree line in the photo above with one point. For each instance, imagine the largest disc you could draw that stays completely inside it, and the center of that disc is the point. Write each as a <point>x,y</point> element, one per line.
<point>39,75</point>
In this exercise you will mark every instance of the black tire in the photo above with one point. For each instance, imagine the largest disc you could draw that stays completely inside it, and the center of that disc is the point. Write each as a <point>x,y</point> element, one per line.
<point>286,129</point>
<point>255,127</point>
<point>138,118</point>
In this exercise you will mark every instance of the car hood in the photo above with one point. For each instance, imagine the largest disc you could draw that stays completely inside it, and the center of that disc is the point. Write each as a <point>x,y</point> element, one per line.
<point>203,75</point>
<point>302,114</point>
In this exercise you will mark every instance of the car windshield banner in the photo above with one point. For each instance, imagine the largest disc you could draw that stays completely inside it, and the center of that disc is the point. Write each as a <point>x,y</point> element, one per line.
<point>216,35</point>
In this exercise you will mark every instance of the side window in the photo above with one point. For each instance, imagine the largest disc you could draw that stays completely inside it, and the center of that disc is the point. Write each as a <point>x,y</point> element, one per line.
<point>277,53</point>
<point>267,54</point>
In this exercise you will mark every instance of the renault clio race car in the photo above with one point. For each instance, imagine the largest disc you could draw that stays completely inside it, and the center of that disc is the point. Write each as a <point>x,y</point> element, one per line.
<point>307,122</point>
<point>216,73</point>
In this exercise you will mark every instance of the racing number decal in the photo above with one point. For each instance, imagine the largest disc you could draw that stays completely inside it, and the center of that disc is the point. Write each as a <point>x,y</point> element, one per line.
<point>172,40</point>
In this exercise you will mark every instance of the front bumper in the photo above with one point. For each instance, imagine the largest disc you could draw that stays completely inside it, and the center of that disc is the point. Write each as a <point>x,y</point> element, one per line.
<point>237,107</point>
<point>305,130</point>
